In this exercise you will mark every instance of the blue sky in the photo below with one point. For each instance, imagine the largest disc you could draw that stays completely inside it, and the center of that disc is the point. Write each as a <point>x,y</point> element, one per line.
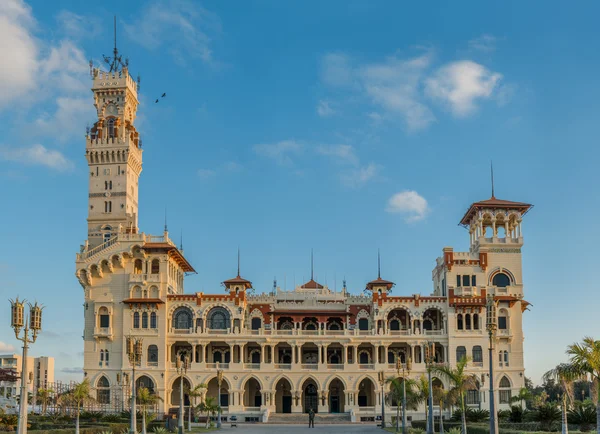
<point>343,126</point>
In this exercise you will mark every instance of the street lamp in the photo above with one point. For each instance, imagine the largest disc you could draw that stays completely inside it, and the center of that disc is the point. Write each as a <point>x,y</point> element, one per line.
<point>219,381</point>
<point>123,381</point>
<point>182,367</point>
<point>382,383</point>
<point>429,360</point>
<point>33,323</point>
<point>491,326</point>
<point>405,368</point>
<point>134,352</point>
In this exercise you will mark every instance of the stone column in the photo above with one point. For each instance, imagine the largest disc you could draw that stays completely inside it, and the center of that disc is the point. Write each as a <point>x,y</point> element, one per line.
<point>273,355</point>
<point>354,354</point>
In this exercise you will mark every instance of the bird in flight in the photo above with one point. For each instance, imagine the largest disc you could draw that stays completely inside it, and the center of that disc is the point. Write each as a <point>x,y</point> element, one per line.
<point>162,96</point>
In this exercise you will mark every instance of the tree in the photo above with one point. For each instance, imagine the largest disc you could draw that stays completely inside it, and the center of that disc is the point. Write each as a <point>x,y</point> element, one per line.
<point>210,407</point>
<point>444,399</point>
<point>79,395</point>
<point>523,395</point>
<point>194,394</point>
<point>423,394</point>
<point>565,375</point>
<point>585,359</point>
<point>461,382</point>
<point>397,394</point>
<point>145,399</point>
<point>44,396</point>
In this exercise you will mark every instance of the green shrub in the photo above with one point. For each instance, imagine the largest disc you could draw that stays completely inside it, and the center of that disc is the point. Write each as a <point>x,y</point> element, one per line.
<point>114,418</point>
<point>503,415</point>
<point>454,431</point>
<point>547,415</point>
<point>91,415</point>
<point>583,415</point>
<point>516,414</point>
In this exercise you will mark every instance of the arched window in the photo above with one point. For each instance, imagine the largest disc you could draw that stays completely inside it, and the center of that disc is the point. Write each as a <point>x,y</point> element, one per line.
<point>153,320</point>
<point>103,391</point>
<point>475,321</point>
<point>256,323</point>
<point>110,128</point>
<point>145,320</point>
<point>106,357</point>
<point>146,382</point>
<point>477,354</point>
<point>218,319</point>
<point>137,267</point>
<point>363,358</point>
<point>155,266</point>
<point>103,318</point>
<point>461,353</point>
<point>101,357</point>
<point>468,322</point>
<point>152,354</point>
<point>182,319</point>
<point>501,280</point>
<point>459,321</point>
<point>505,392</point>
<point>136,320</point>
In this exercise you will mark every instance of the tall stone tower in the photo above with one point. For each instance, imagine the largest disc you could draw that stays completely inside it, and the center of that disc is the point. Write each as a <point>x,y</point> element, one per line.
<point>114,155</point>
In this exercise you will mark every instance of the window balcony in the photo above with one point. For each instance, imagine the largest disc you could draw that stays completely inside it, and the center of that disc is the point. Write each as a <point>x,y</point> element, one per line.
<point>283,366</point>
<point>310,366</point>
<point>335,366</point>
<point>103,332</point>
<point>366,366</point>
<point>217,366</point>
<point>404,332</point>
<point>433,332</point>
<point>254,366</point>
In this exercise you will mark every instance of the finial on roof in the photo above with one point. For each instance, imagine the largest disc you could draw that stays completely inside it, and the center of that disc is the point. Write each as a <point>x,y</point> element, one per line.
<point>166,230</point>
<point>492,173</point>
<point>378,265</point>
<point>116,61</point>
<point>181,241</point>
<point>238,261</point>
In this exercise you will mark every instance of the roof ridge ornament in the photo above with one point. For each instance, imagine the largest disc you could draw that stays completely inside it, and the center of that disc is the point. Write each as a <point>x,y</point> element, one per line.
<point>115,61</point>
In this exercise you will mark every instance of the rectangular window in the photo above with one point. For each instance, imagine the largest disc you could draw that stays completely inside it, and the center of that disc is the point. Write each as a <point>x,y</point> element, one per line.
<point>363,324</point>
<point>472,397</point>
<point>506,358</point>
<point>458,281</point>
<point>502,322</point>
<point>505,396</point>
<point>444,287</point>
<point>107,171</point>
<point>466,280</point>
<point>104,321</point>
<point>473,280</point>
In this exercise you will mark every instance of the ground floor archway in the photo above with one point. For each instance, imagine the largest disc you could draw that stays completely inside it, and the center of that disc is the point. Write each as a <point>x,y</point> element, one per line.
<point>310,396</point>
<point>366,393</point>
<point>252,393</point>
<point>337,401</point>
<point>283,396</point>
<point>176,392</point>
<point>222,396</point>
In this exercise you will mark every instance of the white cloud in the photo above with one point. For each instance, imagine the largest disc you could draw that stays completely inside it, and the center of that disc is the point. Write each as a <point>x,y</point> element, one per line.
<point>36,155</point>
<point>339,153</point>
<point>18,73</point>
<point>232,166</point>
<point>324,109</point>
<point>360,175</point>
<point>460,84</point>
<point>178,26</point>
<point>485,43</point>
<point>5,348</point>
<point>336,70</point>
<point>281,152</point>
<point>72,370</point>
<point>206,173</point>
<point>79,26</point>
<point>67,121</point>
<point>410,203</point>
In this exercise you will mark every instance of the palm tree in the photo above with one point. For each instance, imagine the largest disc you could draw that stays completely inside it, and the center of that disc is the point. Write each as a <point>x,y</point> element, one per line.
<point>444,399</point>
<point>44,396</point>
<point>565,375</point>
<point>585,358</point>
<point>461,382</point>
<point>423,396</point>
<point>210,407</point>
<point>79,395</point>
<point>193,395</point>
<point>523,395</point>
<point>397,393</point>
<point>145,399</point>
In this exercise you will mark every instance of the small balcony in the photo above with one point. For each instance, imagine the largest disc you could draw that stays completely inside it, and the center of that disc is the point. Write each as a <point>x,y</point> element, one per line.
<point>335,366</point>
<point>286,366</point>
<point>310,366</point>
<point>103,332</point>
<point>366,366</point>
<point>217,366</point>
<point>253,366</point>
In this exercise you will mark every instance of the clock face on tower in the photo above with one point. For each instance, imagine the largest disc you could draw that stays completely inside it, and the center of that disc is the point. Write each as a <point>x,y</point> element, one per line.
<point>111,110</point>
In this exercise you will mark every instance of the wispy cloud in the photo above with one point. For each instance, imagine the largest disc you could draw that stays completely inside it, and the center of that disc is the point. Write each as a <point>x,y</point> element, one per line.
<point>410,204</point>
<point>229,166</point>
<point>36,155</point>
<point>459,85</point>
<point>206,173</point>
<point>78,26</point>
<point>282,153</point>
<point>485,43</point>
<point>73,370</point>
<point>324,109</point>
<point>360,175</point>
<point>343,154</point>
<point>403,87</point>
<point>180,27</point>
<point>4,347</point>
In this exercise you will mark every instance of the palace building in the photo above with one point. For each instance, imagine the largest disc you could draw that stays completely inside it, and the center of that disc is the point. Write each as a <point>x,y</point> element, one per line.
<point>281,351</point>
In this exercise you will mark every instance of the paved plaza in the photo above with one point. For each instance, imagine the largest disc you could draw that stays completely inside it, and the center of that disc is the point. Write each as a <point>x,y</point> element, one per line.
<point>296,429</point>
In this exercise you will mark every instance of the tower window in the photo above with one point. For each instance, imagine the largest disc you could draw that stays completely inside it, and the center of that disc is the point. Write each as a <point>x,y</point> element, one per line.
<point>136,320</point>
<point>459,321</point>
<point>110,126</point>
<point>468,322</point>
<point>155,266</point>
<point>153,320</point>
<point>473,279</point>
<point>501,280</point>
<point>466,280</point>
<point>145,320</point>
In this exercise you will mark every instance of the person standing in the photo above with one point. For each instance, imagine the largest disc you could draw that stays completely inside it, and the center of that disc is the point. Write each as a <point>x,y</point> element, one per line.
<point>311,418</point>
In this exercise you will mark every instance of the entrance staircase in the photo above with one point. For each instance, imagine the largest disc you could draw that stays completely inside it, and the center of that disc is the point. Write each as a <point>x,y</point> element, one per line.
<point>302,418</point>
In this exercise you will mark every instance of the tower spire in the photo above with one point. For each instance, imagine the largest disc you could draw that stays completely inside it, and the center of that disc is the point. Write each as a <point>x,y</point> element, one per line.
<point>378,265</point>
<point>116,61</point>
<point>166,230</point>
<point>311,265</point>
<point>492,173</point>
<point>238,261</point>
<point>181,241</point>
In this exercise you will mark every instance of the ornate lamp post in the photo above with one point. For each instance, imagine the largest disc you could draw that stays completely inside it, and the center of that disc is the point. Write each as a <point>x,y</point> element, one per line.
<point>429,360</point>
<point>491,326</point>
<point>134,353</point>
<point>182,367</point>
<point>382,383</point>
<point>219,381</point>
<point>33,323</point>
